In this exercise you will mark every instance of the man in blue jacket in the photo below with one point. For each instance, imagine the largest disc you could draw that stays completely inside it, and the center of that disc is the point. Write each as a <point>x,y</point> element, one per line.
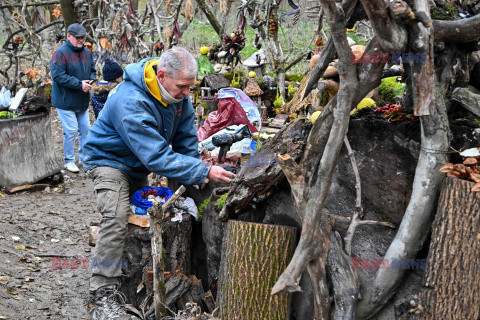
<point>146,125</point>
<point>72,69</point>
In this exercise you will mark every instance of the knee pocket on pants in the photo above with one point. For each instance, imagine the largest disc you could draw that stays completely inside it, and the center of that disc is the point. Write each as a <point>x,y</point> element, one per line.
<point>108,194</point>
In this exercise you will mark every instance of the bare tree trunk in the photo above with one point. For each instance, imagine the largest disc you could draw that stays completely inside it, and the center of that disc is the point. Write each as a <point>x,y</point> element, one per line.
<point>211,18</point>
<point>69,13</point>
<point>433,155</point>
<point>452,277</point>
<point>253,257</point>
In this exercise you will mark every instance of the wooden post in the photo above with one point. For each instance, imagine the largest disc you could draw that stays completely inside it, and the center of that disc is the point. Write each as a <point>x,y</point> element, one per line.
<point>253,257</point>
<point>156,216</point>
<point>452,277</point>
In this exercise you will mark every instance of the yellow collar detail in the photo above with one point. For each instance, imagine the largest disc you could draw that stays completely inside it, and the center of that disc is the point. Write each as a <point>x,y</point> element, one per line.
<point>150,77</point>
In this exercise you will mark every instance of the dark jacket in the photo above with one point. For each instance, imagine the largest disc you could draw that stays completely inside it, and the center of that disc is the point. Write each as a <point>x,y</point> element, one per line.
<point>100,93</point>
<point>69,66</point>
<point>138,133</point>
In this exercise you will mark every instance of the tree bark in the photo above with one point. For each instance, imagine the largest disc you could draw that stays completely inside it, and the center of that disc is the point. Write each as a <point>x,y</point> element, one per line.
<point>464,30</point>
<point>344,281</point>
<point>70,15</point>
<point>253,257</point>
<point>211,18</point>
<point>467,99</point>
<point>453,259</point>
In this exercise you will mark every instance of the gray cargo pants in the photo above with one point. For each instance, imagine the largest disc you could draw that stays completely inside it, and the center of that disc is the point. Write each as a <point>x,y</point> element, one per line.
<point>113,189</point>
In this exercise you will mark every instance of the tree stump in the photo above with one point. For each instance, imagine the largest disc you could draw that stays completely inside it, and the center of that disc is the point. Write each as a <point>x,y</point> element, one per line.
<point>452,276</point>
<point>26,151</point>
<point>253,257</point>
<point>137,280</point>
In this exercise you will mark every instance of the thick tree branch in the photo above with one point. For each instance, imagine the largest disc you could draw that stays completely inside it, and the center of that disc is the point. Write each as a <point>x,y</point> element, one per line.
<point>392,36</point>
<point>412,231</point>
<point>464,30</point>
<point>315,194</point>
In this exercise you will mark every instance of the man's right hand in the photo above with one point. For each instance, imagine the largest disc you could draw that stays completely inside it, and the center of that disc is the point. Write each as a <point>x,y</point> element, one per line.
<point>220,175</point>
<point>86,85</point>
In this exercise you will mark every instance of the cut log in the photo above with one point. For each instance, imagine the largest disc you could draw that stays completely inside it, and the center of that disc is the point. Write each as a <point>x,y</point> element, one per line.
<point>253,258</point>
<point>453,260</point>
<point>26,151</point>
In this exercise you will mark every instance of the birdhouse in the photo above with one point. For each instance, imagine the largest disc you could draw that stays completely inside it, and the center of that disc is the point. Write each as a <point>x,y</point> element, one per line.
<point>253,90</point>
<point>256,62</point>
<point>209,86</point>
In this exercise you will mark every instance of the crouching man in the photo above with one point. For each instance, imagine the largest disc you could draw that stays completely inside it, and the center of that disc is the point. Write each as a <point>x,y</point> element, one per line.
<point>147,125</point>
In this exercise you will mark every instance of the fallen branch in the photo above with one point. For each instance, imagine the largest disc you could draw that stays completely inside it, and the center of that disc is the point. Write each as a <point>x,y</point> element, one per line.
<point>156,215</point>
<point>31,4</point>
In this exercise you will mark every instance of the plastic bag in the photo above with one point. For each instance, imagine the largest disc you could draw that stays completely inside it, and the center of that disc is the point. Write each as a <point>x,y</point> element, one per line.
<point>142,204</point>
<point>229,112</point>
<point>4,99</point>
<point>247,104</point>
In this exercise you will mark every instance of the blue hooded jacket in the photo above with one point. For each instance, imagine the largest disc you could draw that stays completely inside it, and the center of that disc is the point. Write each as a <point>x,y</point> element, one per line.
<point>69,66</point>
<point>138,133</point>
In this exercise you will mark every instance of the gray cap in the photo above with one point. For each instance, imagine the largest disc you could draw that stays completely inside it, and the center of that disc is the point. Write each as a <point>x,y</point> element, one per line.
<point>77,30</point>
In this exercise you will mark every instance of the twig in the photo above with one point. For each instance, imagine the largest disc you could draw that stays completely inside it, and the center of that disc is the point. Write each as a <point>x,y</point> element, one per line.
<point>34,4</point>
<point>358,205</point>
<point>156,215</point>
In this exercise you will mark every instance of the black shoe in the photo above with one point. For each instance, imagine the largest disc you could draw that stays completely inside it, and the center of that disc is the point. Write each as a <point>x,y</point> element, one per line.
<point>109,305</point>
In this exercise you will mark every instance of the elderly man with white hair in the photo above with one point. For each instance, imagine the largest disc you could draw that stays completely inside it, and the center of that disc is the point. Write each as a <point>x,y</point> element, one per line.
<point>146,125</point>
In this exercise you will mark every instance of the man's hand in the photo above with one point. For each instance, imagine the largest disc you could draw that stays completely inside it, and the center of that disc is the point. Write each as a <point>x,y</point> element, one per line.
<point>220,175</point>
<point>86,85</point>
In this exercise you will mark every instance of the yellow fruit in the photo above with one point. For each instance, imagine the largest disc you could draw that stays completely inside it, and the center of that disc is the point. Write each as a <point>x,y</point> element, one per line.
<point>252,74</point>
<point>315,115</point>
<point>204,50</point>
<point>232,35</point>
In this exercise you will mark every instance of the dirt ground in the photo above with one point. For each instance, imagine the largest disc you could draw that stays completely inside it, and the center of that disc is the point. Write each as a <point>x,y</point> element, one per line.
<point>44,251</point>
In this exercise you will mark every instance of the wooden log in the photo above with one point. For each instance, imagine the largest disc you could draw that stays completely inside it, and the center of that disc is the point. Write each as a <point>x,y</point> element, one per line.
<point>452,277</point>
<point>26,151</point>
<point>253,258</point>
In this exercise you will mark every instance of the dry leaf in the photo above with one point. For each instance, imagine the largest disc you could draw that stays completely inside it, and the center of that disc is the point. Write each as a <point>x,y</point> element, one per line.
<point>223,6</point>
<point>460,168</point>
<point>470,161</point>
<point>476,187</point>
<point>47,16</point>
<point>447,167</point>
<point>89,46</point>
<point>115,25</point>
<point>189,10</point>
<point>57,12</point>
<point>32,73</point>
<point>20,247</point>
<point>104,43</point>
<point>11,291</point>
<point>475,177</point>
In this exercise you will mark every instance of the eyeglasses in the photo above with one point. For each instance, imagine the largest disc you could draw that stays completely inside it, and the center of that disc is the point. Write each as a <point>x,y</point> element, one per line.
<point>79,38</point>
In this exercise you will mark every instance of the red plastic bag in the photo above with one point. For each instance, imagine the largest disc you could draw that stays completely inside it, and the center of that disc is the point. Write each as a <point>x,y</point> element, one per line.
<point>229,113</point>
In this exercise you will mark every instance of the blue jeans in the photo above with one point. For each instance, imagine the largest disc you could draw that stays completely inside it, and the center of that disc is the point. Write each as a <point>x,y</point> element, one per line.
<point>73,122</point>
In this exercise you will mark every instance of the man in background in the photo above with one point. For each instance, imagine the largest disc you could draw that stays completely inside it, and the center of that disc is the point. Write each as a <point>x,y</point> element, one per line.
<point>72,70</point>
